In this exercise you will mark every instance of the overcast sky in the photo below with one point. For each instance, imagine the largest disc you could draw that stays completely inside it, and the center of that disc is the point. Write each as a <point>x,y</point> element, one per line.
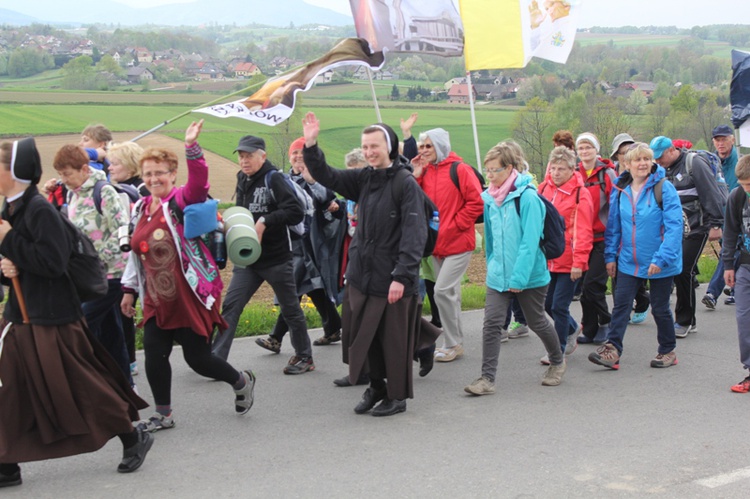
<point>681,13</point>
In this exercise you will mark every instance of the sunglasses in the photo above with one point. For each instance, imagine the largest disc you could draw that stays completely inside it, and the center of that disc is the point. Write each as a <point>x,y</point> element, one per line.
<point>425,146</point>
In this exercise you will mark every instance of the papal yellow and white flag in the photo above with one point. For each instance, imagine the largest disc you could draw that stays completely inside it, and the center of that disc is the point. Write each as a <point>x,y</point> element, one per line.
<point>275,100</point>
<point>501,34</point>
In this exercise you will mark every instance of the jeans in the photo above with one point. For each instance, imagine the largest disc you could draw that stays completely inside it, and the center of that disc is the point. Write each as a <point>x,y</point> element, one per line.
<point>103,319</point>
<point>245,282</point>
<point>627,287</point>
<point>557,305</point>
<point>716,285</point>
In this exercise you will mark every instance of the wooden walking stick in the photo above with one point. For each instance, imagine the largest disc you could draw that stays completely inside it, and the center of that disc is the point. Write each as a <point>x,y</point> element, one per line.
<point>21,301</point>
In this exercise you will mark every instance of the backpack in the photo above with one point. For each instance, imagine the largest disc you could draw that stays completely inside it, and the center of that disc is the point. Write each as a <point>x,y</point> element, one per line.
<point>85,269</point>
<point>658,192</point>
<point>429,210</point>
<point>128,195</point>
<point>600,178</point>
<point>214,240</point>
<point>301,229</point>
<point>713,161</point>
<point>482,183</point>
<point>552,242</point>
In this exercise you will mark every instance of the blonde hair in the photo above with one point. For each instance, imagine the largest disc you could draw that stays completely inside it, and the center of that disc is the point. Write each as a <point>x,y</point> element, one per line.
<point>562,155</point>
<point>355,158</point>
<point>638,150</point>
<point>159,155</point>
<point>98,132</point>
<point>508,153</point>
<point>129,154</point>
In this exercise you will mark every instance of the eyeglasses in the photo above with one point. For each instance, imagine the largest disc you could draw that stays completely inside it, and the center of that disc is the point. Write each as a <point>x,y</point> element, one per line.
<point>425,146</point>
<point>155,174</point>
<point>493,171</point>
<point>585,148</point>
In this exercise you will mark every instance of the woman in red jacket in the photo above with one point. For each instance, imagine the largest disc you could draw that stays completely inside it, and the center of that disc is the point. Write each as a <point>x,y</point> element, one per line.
<point>565,189</point>
<point>458,208</point>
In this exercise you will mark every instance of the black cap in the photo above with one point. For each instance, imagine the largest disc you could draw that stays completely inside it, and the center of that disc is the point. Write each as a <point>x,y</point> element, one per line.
<point>25,164</point>
<point>722,131</point>
<point>251,143</point>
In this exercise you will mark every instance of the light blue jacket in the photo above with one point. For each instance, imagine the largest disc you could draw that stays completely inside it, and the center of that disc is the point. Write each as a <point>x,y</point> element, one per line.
<point>514,258</point>
<point>640,233</point>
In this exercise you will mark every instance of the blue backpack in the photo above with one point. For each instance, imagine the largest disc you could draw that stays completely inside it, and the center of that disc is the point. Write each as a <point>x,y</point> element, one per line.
<point>553,235</point>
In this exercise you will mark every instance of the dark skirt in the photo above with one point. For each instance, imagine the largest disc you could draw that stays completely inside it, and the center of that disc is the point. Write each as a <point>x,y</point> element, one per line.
<point>61,394</point>
<point>369,319</point>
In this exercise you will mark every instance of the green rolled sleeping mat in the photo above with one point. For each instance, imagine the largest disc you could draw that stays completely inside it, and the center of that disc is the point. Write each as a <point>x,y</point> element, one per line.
<point>243,247</point>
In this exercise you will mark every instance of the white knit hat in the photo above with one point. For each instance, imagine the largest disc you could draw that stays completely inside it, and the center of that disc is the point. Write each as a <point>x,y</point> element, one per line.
<point>590,138</point>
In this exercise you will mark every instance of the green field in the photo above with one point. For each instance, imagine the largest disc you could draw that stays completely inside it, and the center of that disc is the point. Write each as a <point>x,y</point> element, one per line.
<point>45,113</point>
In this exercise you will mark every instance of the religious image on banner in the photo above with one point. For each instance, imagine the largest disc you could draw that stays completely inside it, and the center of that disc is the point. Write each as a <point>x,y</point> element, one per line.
<point>410,25</point>
<point>549,28</point>
<point>275,100</point>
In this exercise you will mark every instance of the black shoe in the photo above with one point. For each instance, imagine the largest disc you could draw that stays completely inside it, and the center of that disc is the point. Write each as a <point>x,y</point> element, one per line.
<point>389,407</point>
<point>369,399</point>
<point>426,358</point>
<point>133,457</point>
<point>344,382</point>
<point>10,480</point>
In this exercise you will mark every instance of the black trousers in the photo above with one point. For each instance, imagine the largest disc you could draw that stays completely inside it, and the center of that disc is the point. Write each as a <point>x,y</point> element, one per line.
<point>692,247</point>
<point>594,293</point>
<point>329,315</point>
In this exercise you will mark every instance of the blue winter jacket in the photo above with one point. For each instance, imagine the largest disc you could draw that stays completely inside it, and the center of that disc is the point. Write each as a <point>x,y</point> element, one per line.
<point>514,258</point>
<point>640,233</point>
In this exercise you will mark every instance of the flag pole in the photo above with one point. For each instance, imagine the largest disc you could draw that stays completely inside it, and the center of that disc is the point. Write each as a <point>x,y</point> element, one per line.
<point>474,121</point>
<point>374,97</point>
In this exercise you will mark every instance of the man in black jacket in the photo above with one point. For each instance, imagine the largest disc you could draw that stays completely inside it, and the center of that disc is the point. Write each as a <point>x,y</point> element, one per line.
<point>272,212</point>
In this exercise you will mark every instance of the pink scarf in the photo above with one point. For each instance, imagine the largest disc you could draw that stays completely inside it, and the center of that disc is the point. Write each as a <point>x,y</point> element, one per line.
<point>500,193</point>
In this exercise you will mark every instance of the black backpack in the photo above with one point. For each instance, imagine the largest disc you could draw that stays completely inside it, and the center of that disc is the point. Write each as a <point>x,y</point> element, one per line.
<point>125,191</point>
<point>553,234</point>
<point>429,209</point>
<point>482,182</point>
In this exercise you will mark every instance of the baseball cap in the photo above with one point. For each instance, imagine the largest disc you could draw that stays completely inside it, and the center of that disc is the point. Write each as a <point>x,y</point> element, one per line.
<point>619,140</point>
<point>722,131</point>
<point>659,145</point>
<point>251,143</point>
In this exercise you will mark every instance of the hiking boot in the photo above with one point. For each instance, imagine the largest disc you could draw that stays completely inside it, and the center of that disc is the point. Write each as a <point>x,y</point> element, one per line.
<point>299,365</point>
<point>639,317</point>
<point>729,301</point>
<point>709,301</point>
<point>544,360</point>
<point>681,331</point>
<point>665,360</point>
<point>742,387</point>
<point>244,398</point>
<point>727,291</point>
<point>572,342</point>
<point>133,457</point>
<point>554,374</point>
<point>449,354</point>
<point>480,386</point>
<point>269,343</point>
<point>155,423</point>
<point>577,296</point>
<point>607,356</point>
<point>517,330</point>
<point>503,335</point>
<point>327,340</point>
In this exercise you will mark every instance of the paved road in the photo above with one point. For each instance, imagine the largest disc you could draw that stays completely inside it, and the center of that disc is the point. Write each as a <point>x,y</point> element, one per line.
<point>677,432</point>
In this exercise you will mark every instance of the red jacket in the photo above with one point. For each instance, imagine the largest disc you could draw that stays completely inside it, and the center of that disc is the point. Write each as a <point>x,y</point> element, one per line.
<point>458,210</point>
<point>599,185</point>
<point>573,201</point>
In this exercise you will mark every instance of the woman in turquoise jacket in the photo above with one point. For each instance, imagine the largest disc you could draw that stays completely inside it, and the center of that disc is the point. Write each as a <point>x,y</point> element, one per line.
<point>516,266</point>
<point>643,241</point>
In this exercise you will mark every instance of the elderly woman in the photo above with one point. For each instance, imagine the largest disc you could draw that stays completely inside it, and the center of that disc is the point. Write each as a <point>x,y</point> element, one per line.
<point>516,265</point>
<point>178,282</point>
<point>60,392</point>
<point>643,242</point>
<point>101,224</point>
<point>563,187</point>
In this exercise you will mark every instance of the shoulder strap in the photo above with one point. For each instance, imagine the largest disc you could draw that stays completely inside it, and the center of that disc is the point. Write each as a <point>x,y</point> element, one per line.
<point>267,179</point>
<point>658,193</point>
<point>98,195</point>
<point>517,201</point>
<point>397,186</point>
<point>176,211</point>
<point>454,174</point>
<point>689,163</point>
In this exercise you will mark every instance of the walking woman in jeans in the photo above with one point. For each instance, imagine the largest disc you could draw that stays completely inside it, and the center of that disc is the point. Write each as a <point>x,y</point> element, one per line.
<point>178,281</point>
<point>61,394</point>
